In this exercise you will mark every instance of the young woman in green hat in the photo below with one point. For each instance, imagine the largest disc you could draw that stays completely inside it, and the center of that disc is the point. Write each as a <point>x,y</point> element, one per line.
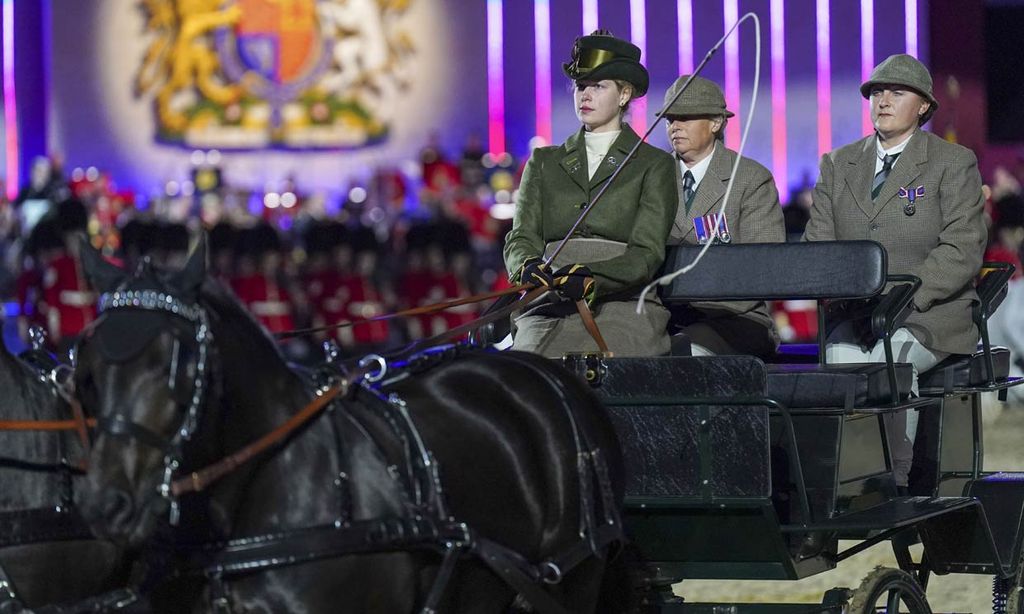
<point>621,244</point>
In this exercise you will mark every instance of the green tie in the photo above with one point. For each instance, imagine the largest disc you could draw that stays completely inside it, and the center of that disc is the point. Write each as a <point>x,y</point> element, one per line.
<point>688,191</point>
<point>876,185</point>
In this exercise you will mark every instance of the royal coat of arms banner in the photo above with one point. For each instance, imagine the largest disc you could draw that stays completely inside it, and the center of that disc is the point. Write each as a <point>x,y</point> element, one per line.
<point>315,91</point>
<point>296,74</point>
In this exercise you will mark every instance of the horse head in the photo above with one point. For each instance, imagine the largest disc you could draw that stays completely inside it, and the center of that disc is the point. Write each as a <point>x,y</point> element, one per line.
<point>141,371</point>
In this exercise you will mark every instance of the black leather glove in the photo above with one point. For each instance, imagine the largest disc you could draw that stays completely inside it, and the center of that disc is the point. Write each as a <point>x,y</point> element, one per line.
<point>536,272</point>
<point>575,282</point>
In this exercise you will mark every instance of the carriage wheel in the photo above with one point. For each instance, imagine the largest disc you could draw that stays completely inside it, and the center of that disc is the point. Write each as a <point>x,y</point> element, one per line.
<point>888,590</point>
<point>1012,590</point>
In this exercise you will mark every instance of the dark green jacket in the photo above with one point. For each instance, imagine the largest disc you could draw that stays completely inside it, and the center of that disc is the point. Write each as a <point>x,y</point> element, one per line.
<point>638,209</point>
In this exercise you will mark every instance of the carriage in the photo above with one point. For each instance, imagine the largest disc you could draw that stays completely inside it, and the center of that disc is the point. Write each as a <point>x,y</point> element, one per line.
<point>738,469</point>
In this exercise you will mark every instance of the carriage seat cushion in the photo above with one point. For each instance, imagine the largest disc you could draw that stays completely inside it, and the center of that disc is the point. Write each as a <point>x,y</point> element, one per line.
<point>965,370</point>
<point>841,385</point>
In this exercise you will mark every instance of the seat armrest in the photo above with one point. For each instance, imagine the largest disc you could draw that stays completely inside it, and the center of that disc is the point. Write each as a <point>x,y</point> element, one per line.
<point>895,306</point>
<point>992,288</point>
<point>991,292</point>
<point>892,311</point>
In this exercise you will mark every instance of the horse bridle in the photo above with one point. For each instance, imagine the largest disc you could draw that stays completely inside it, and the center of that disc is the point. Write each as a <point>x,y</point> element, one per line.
<point>120,425</point>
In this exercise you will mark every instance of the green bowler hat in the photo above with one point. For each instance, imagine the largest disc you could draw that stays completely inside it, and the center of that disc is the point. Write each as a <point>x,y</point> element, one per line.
<point>603,56</point>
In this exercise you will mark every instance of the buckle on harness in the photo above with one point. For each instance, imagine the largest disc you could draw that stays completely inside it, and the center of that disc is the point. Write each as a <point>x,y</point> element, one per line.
<point>372,376</point>
<point>550,573</point>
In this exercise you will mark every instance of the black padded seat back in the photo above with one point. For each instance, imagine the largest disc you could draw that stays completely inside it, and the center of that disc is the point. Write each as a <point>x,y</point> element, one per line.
<point>848,385</point>
<point>777,271</point>
<point>966,370</point>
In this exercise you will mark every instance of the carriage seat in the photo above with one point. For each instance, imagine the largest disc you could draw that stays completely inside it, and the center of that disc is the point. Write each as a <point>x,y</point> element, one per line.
<point>966,370</point>
<point>819,271</point>
<point>848,386</point>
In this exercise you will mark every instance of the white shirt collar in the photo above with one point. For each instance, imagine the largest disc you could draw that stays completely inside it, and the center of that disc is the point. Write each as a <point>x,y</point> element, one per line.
<point>699,169</point>
<point>881,153</point>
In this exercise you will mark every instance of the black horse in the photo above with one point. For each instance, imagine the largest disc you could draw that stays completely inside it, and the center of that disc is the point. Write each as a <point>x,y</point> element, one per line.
<point>506,449</point>
<point>46,550</point>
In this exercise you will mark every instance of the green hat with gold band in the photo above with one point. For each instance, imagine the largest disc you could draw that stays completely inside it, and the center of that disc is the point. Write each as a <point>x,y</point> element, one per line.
<point>905,70</point>
<point>603,56</point>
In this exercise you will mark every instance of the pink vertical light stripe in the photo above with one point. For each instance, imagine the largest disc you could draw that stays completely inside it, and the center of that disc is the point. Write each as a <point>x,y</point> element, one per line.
<point>867,57</point>
<point>589,16</point>
<point>638,32</point>
<point>495,78</point>
<point>780,162</point>
<point>684,13</point>
<point>911,21</point>
<point>731,11</point>
<point>542,67</point>
<point>824,79</point>
<point>10,105</point>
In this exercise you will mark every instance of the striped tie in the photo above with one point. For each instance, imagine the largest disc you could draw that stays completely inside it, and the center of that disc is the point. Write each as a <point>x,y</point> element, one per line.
<point>876,185</point>
<point>688,191</point>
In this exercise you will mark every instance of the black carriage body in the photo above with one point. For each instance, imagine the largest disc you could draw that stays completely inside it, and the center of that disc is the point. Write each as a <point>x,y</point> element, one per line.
<point>741,470</point>
<point>697,440</point>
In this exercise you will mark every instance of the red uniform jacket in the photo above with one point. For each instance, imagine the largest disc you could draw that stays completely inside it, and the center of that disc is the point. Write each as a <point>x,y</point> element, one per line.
<point>70,304</point>
<point>265,299</point>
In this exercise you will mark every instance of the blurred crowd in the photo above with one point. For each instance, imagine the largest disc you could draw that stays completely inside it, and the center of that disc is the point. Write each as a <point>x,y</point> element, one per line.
<point>406,238</point>
<point>401,239</point>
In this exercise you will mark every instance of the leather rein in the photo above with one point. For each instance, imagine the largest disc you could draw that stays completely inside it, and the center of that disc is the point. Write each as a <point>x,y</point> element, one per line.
<point>586,315</point>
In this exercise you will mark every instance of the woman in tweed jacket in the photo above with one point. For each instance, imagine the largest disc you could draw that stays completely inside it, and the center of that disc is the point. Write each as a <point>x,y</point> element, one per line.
<point>920,197</point>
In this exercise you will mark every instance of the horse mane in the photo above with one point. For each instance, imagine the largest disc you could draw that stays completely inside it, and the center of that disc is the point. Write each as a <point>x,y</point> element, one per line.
<point>237,335</point>
<point>223,305</point>
<point>25,396</point>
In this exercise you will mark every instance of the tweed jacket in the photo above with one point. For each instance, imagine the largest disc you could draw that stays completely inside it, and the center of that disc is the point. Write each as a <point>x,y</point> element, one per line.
<point>637,210</point>
<point>943,241</point>
<point>754,216</point>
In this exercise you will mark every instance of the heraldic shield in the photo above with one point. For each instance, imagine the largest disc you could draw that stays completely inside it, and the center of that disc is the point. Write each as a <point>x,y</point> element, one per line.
<point>293,74</point>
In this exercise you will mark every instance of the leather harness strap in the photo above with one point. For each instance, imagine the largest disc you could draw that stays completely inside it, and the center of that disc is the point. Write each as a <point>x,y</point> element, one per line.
<point>198,480</point>
<point>518,573</point>
<point>41,524</point>
<point>110,601</point>
<point>588,322</point>
<point>43,425</point>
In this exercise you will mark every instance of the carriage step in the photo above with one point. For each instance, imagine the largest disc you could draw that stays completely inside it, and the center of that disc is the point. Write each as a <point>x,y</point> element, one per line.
<point>895,513</point>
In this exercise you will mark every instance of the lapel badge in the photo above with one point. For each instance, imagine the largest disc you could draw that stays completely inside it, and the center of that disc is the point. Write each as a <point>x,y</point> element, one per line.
<point>573,163</point>
<point>911,194</point>
<point>612,161</point>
